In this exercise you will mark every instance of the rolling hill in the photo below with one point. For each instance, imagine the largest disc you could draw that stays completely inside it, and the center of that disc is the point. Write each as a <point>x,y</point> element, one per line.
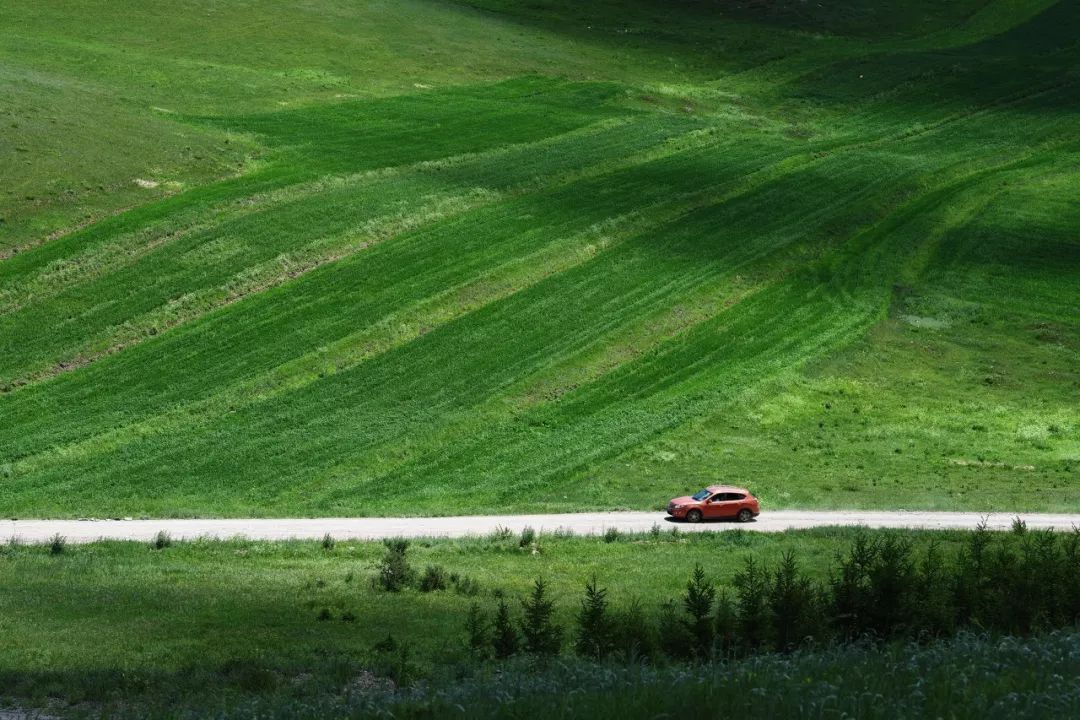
<point>421,257</point>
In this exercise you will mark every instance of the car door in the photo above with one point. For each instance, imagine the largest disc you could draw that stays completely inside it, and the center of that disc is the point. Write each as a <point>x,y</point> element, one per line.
<point>718,506</point>
<point>737,502</point>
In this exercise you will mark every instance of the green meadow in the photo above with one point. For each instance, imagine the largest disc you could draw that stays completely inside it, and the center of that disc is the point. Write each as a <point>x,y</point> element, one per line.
<point>243,629</point>
<point>422,257</point>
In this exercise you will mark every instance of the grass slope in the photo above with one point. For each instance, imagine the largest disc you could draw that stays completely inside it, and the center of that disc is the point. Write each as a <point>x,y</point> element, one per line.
<point>433,258</point>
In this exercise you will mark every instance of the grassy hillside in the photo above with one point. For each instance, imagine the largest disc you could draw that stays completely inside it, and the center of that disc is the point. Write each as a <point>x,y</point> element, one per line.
<point>425,257</point>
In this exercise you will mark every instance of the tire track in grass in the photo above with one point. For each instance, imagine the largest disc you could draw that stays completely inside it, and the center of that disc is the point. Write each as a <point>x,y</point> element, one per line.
<point>924,223</point>
<point>327,290</point>
<point>675,147</point>
<point>135,329</point>
<point>763,179</point>
<point>772,237</point>
<point>283,268</point>
<point>382,337</point>
<point>35,279</point>
<point>638,285</point>
<point>769,335</point>
<point>254,279</point>
<point>401,327</point>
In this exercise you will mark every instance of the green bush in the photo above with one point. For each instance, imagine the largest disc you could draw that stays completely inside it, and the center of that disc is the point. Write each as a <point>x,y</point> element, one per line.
<point>394,571</point>
<point>434,578</point>
<point>58,544</point>
<point>161,541</point>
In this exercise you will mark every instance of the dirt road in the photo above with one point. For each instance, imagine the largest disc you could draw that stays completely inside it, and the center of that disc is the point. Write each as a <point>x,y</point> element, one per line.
<point>79,531</point>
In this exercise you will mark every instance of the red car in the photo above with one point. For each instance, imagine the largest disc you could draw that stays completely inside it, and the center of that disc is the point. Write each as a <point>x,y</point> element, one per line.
<point>716,502</point>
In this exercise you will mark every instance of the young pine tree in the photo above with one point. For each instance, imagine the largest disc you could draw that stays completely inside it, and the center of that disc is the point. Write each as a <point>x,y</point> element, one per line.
<point>634,636</point>
<point>504,638</point>
<point>726,623</point>
<point>753,628</point>
<point>698,603</point>
<point>476,627</point>
<point>793,607</point>
<point>595,632</point>
<point>675,640</point>
<point>542,636</point>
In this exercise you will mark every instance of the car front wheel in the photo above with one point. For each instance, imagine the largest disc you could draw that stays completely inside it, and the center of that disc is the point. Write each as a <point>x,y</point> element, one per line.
<point>745,515</point>
<point>693,516</point>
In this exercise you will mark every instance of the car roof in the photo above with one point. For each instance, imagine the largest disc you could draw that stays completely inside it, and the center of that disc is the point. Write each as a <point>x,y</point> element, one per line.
<point>727,488</point>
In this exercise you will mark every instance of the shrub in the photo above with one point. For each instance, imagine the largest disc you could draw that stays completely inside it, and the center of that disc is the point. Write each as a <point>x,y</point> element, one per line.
<point>161,541</point>
<point>528,537</point>
<point>611,535</point>
<point>464,585</point>
<point>392,660</point>
<point>434,578</point>
<point>504,638</point>
<point>328,542</point>
<point>57,544</point>
<point>501,532</point>
<point>324,615</point>
<point>595,633</point>
<point>541,635</point>
<point>394,571</point>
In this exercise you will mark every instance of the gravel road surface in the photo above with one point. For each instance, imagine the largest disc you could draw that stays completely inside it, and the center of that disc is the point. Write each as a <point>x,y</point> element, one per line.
<point>79,531</point>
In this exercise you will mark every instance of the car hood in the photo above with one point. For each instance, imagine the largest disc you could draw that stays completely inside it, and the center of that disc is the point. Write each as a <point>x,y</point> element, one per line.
<point>684,500</point>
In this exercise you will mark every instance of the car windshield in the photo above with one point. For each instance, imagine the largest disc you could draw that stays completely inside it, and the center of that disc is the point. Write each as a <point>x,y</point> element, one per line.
<point>701,495</point>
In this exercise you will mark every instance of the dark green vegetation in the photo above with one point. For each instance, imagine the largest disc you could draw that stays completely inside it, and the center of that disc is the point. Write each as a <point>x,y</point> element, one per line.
<point>969,678</point>
<point>419,257</point>
<point>294,625</point>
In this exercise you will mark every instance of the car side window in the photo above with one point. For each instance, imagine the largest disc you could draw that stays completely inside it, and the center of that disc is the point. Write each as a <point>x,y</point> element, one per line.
<point>720,497</point>
<point>736,496</point>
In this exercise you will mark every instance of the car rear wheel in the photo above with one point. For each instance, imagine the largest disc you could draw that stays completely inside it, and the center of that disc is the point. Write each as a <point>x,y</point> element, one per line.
<point>693,516</point>
<point>745,515</point>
